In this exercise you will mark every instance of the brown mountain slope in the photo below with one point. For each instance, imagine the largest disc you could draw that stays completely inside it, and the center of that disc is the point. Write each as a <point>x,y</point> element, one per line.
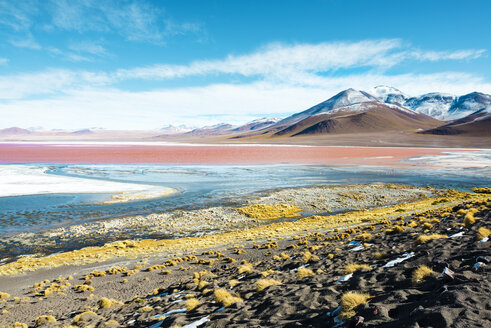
<point>361,118</point>
<point>475,124</point>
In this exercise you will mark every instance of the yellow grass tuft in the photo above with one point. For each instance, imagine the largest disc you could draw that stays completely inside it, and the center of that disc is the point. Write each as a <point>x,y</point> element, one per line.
<point>269,211</point>
<point>366,236</point>
<point>379,255</point>
<point>412,224</point>
<point>264,283</point>
<point>309,257</point>
<point>85,316</point>
<point>191,304</point>
<point>4,295</point>
<point>483,232</point>
<point>266,273</point>
<point>145,309</point>
<point>420,273</point>
<point>469,219</point>
<point>245,268</point>
<point>351,300</point>
<point>44,319</point>
<point>83,288</point>
<point>351,268</point>
<point>224,297</point>
<point>304,272</point>
<point>395,229</point>
<point>427,225</point>
<point>424,238</point>
<point>233,282</point>
<point>107,303</point>
<point>111,323</point>
<point>202,284</point>
<point>19,325</point>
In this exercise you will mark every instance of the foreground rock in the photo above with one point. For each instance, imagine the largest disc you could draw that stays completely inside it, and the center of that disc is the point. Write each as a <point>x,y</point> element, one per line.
<point>427,268</point>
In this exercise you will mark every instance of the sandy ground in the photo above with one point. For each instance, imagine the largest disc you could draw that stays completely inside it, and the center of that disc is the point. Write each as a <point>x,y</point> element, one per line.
<point>287,278</point>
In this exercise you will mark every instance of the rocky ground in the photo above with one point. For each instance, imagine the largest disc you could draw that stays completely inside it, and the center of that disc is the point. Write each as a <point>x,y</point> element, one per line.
<point>427,268</point>
<point>181,223</point>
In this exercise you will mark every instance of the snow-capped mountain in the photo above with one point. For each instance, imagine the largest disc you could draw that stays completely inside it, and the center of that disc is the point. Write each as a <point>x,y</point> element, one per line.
<point>388,94</point>
<point>216,129</point>
<point>433,104</point>
<point>476,124</point>
<point>468,104</point>
<point>258,124</point>
<point>175,129</point>
<point>342,99</point>
<point>439,105</point>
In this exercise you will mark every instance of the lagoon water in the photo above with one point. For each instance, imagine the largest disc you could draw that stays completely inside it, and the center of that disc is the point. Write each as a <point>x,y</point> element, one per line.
<point>200,186</point>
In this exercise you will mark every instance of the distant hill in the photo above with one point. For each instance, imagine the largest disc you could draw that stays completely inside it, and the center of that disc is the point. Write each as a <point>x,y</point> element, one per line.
<point>14,131</point>
<point>349,112</point>
<point>258,124</point>
<point>217,129</point>
<point>442,106</point>
<point>475,124</point>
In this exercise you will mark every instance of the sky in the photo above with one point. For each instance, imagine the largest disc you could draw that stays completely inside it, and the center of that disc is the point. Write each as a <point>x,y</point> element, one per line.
<point>143,64</point>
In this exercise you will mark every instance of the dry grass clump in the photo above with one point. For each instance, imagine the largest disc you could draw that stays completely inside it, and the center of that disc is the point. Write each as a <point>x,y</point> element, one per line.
<point>111,323</point>
<point>420,273</point>
<point>269,211</point>
<point>412,224</point>
<point>482,190</point>
<point>424,238</point>
<point>83,288</point>
<point>264,283</point>
<point>309,257</point>
<point>483,232</point>
<point>85,316</point>
<point>224,297</point>
<point>245,268</point>
<point>191,304</point>
<point>351,300</point>
<point>395,229</point>
<point>19,325</point>
<point>4,295</point>
<point>44,319</point>
<point>427,225</point>
<point>365,236</point>
<point>233,282</point>
<point>107,303</point>
<point>145,309</point>
<point>353,267</point>
<point>469,219</point>
<point>97,273</point>
<point>266,273</point>
<point>304,272</point>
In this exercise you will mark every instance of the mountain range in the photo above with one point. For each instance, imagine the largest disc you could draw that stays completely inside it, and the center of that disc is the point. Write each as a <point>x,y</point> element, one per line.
<point>382,109</point>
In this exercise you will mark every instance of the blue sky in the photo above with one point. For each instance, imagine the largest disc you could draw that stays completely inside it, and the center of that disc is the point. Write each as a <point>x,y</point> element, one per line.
<point>146,64</point>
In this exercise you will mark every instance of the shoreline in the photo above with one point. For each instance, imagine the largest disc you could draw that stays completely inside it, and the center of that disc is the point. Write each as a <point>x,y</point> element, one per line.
<point>134,273</point>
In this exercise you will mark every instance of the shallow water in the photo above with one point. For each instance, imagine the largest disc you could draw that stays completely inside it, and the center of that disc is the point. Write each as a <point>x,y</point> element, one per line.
<point>202,186</point>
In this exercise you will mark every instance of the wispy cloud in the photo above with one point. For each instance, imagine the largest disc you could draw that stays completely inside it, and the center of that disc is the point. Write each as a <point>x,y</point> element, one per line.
<point>300,63</point>
<point>134,20</point>
<point>278,79</point>
<point>3,61</point>
<point>17,15</point>
<point>89,47</point>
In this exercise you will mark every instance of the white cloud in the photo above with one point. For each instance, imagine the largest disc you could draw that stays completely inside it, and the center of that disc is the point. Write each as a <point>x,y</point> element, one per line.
<point>134,20</point>
<point>112,108</point>
<point>300,63</point>
<point>89,47</point>
<point>3,61</point>
<point>285,79</point>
